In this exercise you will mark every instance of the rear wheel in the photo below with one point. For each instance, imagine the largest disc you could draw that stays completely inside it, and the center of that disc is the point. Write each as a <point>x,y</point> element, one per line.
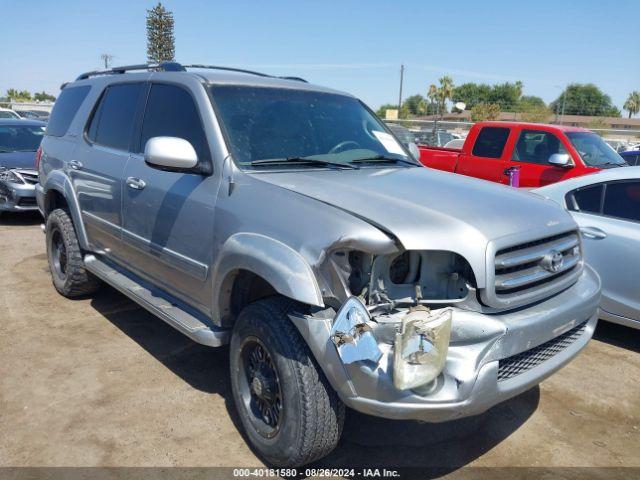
<point>290,413</point>
<point>70,278</point>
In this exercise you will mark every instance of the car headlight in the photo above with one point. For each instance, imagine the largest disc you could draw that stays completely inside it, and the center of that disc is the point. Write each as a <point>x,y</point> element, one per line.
<point>9,176</point>
<point>421,347</point>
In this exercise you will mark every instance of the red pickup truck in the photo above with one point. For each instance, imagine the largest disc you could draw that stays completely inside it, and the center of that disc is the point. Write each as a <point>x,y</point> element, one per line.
<point>545,153</point>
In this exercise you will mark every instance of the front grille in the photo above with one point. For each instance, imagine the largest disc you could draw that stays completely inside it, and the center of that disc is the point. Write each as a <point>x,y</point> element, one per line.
<point>27,202</point>
<point>524,268</point>
<point>515,365</point>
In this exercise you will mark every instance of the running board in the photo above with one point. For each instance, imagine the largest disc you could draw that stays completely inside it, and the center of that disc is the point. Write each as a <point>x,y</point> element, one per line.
<point>179,319</point>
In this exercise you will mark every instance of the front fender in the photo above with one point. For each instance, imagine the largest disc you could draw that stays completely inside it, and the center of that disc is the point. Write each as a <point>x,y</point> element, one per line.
<point>58,182</point>
<point>284,268</point>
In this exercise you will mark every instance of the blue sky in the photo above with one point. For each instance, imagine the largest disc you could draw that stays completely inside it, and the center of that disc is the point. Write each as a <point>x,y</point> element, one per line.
<point>356,46</point>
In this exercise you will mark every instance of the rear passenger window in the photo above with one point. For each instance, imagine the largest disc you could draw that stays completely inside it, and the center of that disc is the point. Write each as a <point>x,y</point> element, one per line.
<point>65,110</point>
<point>171,112</point>
<point>113,120</point>
<point>622,200</point>
<point>587,199</point>
<point>490,142</point>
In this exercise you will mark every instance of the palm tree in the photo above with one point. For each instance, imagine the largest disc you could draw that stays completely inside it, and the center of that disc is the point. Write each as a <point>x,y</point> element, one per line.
<point>632,105</point>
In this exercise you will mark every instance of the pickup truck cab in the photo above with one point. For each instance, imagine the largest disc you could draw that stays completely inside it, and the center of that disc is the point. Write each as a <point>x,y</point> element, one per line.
<point>545,154</point>
<point>286,220</point>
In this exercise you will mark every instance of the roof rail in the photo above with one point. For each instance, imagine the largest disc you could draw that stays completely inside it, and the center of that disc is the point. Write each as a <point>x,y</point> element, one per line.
<point>161,66</point>
<point>176,67</point>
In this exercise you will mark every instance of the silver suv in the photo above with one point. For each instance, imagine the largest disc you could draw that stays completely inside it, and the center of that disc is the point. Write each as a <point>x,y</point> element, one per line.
<point>287,220</point>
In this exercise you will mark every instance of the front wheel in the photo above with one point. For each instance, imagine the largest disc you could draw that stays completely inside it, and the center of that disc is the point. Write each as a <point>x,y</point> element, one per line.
<point>290,413</point>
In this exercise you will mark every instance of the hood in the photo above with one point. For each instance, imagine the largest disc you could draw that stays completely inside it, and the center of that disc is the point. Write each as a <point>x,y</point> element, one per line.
<point>18,160</point>
<point>429,209</point>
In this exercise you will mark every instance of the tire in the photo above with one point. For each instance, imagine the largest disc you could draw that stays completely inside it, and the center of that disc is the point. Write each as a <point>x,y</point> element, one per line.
<point>70,278</point>
<point>308,423</point>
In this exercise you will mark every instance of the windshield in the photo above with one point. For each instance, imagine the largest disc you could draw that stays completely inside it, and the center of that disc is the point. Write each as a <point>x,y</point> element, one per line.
<point>594,151</point>
<point>8,114</point>
<point>19,138</point>
<point>280,123</point>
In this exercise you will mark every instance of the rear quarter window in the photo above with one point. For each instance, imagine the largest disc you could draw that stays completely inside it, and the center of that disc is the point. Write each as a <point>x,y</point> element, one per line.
<point>65,110</point>
<point>490,142</point>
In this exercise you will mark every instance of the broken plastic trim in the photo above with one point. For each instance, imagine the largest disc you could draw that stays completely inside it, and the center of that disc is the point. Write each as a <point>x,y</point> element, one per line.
<point>351,334</point>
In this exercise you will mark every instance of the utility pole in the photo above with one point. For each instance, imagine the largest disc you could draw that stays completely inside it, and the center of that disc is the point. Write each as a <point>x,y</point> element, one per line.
<point>400,94</point>
<point>106,58</point>
<point>564,102</point>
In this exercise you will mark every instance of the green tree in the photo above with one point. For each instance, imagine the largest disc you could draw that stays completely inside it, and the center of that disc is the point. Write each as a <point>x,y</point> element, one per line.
<point>485,111</point>
<point>160,40</point>
<point>44,97</point>
<point>584,99</point>
<point>632,105</point>
<point>507,94</point>
<point>530,101</point>
<point>21,96</point>
<point>416,105</point>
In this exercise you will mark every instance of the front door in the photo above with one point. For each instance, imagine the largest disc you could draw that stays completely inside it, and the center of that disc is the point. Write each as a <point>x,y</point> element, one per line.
<point>168,216</point>
<point>531,154</point>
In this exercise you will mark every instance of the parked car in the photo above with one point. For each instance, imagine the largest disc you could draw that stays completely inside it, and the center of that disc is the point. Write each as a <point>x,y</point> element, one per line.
<point>545,154</point>
<point>6,113</point>
<point>285,219</point>
<point>406,137</point>
<point>34,115</point>
<point>19,140</point>
<point>438,138</point>
<point>632,157</point>
<point>607,208</point>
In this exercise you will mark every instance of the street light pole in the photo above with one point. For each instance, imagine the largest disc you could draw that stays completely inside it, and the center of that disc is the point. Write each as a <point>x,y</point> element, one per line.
<point>564,102</point>
<point>400,94</point>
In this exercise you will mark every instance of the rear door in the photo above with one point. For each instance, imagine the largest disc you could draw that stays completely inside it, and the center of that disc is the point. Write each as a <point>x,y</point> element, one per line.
<point>488,158</point>
<point>168,216</point>
<point>98,164</point>
<point>531,153</point>
<point>609,217</point>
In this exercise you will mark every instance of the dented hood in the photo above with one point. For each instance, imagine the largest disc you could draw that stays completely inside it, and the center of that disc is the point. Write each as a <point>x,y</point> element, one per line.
<point>429,209</point>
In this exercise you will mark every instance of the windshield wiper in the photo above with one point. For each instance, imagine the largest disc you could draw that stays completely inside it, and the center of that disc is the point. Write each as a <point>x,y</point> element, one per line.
<point>382,159</point>
<point>300,161</point>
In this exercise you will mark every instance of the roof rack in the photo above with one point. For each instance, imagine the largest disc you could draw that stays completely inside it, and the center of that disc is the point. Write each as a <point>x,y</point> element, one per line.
<point>176,67</point>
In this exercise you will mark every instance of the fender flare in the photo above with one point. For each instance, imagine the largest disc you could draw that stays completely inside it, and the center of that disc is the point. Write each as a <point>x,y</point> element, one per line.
<point>58,182</point>
<point>278,264</point>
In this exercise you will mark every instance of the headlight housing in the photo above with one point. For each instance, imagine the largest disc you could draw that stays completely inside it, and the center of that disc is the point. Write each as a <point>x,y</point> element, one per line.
<point>9,176</point>
<point>421,347</point>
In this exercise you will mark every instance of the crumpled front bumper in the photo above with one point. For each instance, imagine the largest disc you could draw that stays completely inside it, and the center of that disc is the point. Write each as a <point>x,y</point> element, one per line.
<point>17,197</point>
<point>469,383</point>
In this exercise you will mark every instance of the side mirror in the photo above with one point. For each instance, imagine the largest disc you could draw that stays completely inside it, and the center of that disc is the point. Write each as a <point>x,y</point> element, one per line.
<point>561,160</point>
<point>413,148</point>
<point>170,153</point>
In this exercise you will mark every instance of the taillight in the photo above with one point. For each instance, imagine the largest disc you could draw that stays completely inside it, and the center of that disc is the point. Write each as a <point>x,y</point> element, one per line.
<point>38,157</point>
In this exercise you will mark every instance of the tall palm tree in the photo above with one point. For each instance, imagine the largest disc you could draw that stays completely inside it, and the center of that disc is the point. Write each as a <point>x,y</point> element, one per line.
<point>632,105</point>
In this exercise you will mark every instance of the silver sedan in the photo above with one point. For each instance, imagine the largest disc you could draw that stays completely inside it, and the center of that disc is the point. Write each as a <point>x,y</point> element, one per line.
<point>606,206</point>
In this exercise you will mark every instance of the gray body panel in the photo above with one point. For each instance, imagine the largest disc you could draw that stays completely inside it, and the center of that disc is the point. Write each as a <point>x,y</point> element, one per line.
<point>177,245</point>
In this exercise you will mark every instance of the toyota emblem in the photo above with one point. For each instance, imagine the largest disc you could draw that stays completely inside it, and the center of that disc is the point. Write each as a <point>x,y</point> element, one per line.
<point>552,261</point>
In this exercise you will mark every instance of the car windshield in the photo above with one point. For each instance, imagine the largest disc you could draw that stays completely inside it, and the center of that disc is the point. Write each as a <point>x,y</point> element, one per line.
<point>20,138</point>
<point>8,114</point>
<point>271,126</point>
<point>594,151</point>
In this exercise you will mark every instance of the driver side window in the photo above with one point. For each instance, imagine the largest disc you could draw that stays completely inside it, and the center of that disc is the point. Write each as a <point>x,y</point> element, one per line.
<point>536,146</point>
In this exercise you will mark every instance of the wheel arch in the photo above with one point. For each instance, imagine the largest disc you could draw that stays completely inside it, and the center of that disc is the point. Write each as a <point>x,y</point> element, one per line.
<point>58,193</point>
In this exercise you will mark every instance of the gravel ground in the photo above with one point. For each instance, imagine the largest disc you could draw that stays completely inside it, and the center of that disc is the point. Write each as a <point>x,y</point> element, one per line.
<point>100,382</point>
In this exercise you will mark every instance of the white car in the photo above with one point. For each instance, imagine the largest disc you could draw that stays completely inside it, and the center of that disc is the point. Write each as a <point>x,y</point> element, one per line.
<point>10,114</point>
<point>606,206</point>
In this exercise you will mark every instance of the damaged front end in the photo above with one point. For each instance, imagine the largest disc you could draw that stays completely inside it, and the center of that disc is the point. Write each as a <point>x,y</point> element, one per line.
<point>399,305</point>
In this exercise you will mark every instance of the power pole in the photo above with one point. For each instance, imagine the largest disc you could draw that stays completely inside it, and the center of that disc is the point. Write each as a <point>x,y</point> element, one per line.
<point>106,58</point>
<point>564,102</point>
<point>400,94</point>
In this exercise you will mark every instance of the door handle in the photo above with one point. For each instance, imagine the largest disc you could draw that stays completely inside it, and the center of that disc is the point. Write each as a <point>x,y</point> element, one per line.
<point>135,183</point>
<point>593,233</point>
<point>75,164</point>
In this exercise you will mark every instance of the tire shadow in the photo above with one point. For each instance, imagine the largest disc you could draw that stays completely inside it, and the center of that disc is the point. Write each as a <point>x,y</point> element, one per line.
<point>21,218</point>
<point>366,442</point>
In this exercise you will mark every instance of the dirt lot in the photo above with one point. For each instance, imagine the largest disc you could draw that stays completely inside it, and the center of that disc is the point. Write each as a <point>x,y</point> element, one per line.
<point>100,382</point>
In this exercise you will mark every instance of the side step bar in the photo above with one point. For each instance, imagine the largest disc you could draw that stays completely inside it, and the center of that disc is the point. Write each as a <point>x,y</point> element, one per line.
<point>159,306</point>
